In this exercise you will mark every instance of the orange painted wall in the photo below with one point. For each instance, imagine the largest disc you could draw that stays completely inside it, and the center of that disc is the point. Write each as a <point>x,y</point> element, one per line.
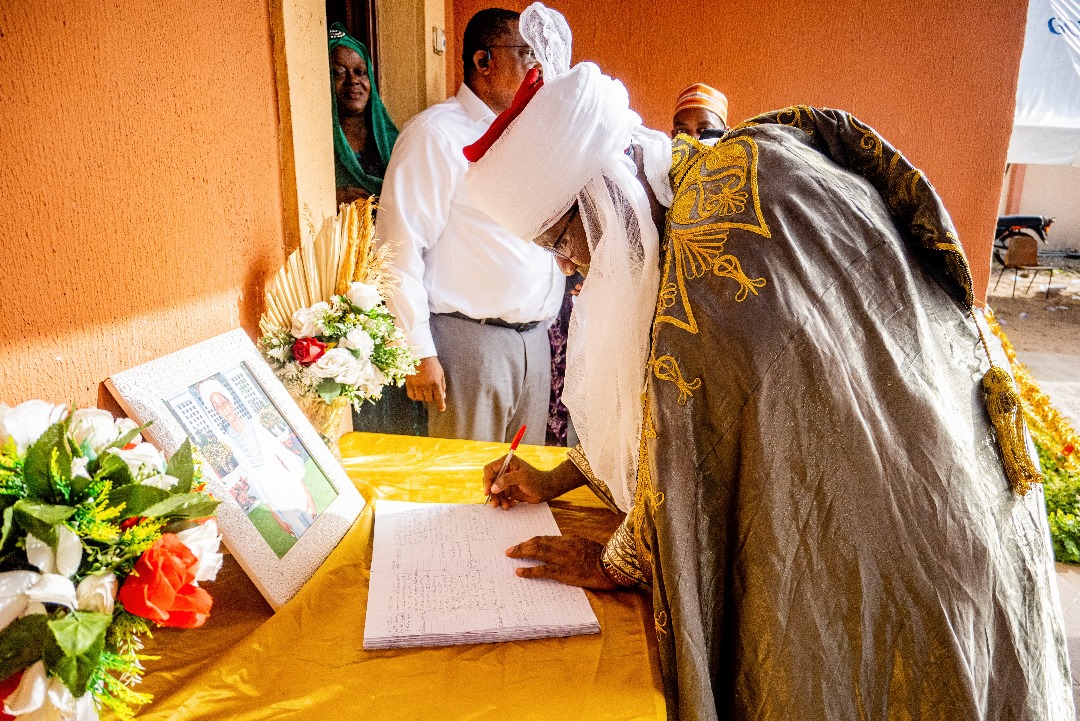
<point>140,185</point>
<point>938,79</point>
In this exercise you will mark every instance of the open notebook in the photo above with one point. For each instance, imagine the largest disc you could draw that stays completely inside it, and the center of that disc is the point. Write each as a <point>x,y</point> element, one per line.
<point>440,576</point>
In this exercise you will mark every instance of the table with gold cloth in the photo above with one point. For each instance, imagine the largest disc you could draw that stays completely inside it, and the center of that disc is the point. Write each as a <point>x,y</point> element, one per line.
<point>307,661</point>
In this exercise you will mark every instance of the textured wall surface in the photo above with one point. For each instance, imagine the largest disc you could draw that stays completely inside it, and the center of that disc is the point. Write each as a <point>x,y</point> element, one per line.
<point>140,185</point>
<point>938,80</point>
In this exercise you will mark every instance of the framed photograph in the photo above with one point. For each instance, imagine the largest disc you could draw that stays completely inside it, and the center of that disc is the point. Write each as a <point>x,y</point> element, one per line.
<point>285,500</point>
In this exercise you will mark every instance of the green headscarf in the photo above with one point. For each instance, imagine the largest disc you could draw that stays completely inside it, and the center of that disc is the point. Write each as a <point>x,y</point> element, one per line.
<point>346,167</point>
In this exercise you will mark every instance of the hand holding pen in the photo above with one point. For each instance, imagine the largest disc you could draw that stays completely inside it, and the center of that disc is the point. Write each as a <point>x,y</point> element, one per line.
<point>492,491</point>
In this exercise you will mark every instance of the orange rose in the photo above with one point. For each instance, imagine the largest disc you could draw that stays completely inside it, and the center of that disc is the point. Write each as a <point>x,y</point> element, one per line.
<point>162,588</point>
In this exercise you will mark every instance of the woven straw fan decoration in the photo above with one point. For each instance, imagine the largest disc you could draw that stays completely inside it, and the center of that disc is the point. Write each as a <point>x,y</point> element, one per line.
<point>326,264</point>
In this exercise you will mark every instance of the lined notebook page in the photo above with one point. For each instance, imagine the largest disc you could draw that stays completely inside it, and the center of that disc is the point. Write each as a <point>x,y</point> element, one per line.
<point>440,576</point>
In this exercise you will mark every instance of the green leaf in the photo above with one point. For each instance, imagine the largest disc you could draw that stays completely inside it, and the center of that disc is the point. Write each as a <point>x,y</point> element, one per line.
<point>39,458</point>
<point>136,498</point>
<point>41,519</point>
<point>22,643</point>
<point>5,533</point>
<point>182,467</point>
<point>329,389</point>
<point>186,505</point>
<point>80,639</point>
<point>126,438</point>
<point>113,467</point>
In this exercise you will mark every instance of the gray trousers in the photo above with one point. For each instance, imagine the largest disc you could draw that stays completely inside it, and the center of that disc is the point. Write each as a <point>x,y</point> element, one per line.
<point>496,379</point>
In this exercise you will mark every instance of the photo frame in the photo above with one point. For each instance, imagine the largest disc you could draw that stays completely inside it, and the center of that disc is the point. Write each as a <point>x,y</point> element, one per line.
<point>286,501</point>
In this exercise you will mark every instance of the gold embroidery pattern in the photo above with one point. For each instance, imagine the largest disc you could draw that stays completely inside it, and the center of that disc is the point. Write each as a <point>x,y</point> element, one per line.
<point>646,500</point>
<point>666,368</point>
<point>716,191</point>
<point>660,622</point>
<point>620,559</point>
<point>596,484</point>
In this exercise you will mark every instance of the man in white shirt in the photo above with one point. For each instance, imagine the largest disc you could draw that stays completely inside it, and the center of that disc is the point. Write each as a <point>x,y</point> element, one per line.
<point>474,300</point>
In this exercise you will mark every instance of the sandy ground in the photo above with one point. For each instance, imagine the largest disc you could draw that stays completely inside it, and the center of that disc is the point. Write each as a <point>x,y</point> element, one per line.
<point>1033,322</point>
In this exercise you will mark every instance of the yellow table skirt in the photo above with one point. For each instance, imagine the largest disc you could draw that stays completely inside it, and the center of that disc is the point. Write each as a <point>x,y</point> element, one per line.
<point>307,660</point>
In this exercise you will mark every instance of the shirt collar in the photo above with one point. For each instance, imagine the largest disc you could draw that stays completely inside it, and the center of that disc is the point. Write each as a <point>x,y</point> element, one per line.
<point>475,108</point>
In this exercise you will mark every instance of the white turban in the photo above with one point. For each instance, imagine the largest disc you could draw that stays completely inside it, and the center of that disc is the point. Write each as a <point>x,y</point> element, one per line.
<point>209,388</point>
<point>572,128</point>
<point>568,145</point>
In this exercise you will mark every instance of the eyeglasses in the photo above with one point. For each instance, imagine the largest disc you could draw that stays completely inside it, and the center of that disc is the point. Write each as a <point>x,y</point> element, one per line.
<point>528,55</point>
<point>554,247</point>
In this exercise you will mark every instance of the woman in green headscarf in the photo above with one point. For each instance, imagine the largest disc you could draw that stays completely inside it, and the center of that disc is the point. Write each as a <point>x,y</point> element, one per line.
<point>364,134</point>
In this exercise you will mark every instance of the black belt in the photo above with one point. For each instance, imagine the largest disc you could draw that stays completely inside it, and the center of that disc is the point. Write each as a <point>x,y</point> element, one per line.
<point>497,322</point>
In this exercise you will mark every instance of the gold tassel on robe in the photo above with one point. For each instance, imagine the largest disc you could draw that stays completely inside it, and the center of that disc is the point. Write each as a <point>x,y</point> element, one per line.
<point>1007,416</point>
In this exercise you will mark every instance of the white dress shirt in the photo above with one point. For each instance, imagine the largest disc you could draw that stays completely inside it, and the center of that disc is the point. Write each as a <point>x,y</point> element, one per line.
<point>448,256</point>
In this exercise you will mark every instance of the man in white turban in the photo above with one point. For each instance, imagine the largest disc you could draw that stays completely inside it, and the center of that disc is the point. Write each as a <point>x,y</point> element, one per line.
<point>784,402</point>
<point>275,474</point>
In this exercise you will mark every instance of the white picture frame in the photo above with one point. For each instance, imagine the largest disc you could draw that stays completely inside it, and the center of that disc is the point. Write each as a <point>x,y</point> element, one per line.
<point>279,525</point>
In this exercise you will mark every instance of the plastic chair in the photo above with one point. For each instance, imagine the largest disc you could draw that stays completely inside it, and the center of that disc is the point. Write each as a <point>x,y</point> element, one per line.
<point>1023,254</point>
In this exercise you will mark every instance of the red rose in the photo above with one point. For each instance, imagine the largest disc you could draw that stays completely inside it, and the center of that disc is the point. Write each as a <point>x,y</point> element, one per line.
<point>308,350</point>
<point>130,522</point>
<point>162,589</point>
<point>1067,450</point>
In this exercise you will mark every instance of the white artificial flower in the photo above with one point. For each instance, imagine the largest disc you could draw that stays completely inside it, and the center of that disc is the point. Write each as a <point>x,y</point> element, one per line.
<point>358,340</point>
<point>126,425</point>
<point>142,459</point>
<point>14,596</point>
<point>357,375</point>
<point>204,542</point>
<point>373,384</point>
<point>93,426</point>
<point>364,296</point>
<point>78,466</point>
<point>307,322</point>
<point>338,364</point>
<point>40,697</point>
<point>64,561</point>
<point>161,480</point>
<point>97,592</point>
<point>25,423</point>
<point>23,593</point>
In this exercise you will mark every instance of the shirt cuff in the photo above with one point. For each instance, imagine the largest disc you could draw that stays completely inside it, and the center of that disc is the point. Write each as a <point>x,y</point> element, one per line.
<point>421,342</point>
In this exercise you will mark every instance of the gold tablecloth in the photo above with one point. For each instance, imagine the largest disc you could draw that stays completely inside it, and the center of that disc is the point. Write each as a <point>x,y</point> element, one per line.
<point>307,660</point>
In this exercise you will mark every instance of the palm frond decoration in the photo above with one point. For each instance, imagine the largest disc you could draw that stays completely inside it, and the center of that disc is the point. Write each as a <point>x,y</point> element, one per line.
<point>327,262</point>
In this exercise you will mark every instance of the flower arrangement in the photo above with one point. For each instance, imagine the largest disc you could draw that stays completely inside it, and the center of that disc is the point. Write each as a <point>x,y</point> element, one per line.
<point>1058,446</point>
<point>101,538</point>
<point>347,348</point>
<point>327,332</point>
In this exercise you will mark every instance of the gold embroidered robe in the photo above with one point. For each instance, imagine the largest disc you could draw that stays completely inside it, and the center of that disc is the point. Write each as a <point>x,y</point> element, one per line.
<point>821,511</point>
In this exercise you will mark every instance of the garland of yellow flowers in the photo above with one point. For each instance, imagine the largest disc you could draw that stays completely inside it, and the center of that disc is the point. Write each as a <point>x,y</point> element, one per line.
<point>1048,427</point>
<point>1057,442</point>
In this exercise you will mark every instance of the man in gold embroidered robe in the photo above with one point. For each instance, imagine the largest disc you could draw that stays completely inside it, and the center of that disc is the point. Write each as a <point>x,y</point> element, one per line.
<point>819,511</point>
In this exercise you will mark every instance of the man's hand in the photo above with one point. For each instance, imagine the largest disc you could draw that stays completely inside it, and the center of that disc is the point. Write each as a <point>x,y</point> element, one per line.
<point>522,483</point>
<point>428,384</point>
<point>572,560</point>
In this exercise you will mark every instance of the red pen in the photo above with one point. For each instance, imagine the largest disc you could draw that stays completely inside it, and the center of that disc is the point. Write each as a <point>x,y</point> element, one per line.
<point>506,463</point>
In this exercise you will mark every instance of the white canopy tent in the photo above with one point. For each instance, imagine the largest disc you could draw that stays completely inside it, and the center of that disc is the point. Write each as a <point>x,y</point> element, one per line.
<point>1046,129</point>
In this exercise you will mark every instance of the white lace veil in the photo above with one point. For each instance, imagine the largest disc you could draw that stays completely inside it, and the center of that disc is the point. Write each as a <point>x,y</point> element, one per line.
<point>568,145</point>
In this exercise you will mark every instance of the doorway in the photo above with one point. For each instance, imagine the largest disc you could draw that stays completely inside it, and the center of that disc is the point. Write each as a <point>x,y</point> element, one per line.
<point>358,17</point>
